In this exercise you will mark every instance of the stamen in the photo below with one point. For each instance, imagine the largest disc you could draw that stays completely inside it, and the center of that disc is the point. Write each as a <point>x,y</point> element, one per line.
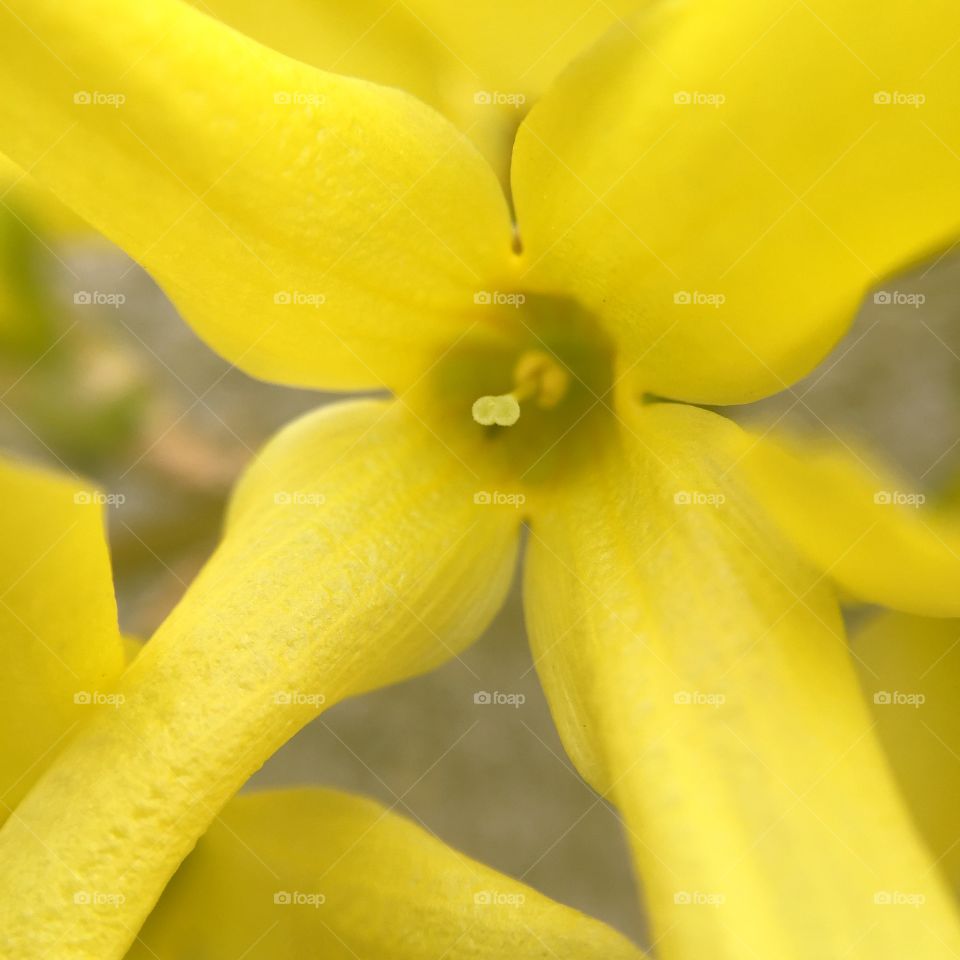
<point>545,374</point>
<point>537,374</point>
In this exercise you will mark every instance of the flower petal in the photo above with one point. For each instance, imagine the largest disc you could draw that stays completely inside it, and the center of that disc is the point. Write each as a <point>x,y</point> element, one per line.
<point>875,536</point>
<point>699,676</point>
<point>320,873</point>
<point>910,670</point>
<point>481,65</point>
<point>722,184</point>
<point>25,198</point>
<point>354,557</point>
<point>61,649</point>
<point>315,229</point>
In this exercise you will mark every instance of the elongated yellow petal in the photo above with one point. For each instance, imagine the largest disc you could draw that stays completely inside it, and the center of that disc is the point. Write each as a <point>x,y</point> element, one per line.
<point>910,671</point>
<point>297,873</point>
<point>698,674</point>
<point>481,65</point>
<point>315,229</point>
<point>871,532</point>
<point>722,182</point>
<point>355,556</point>
<point>27,199</point>
<point>60,649</point>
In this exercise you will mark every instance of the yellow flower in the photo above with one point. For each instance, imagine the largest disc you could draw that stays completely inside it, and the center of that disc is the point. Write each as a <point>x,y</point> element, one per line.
<point>291,872</point>
<point>701,201</point>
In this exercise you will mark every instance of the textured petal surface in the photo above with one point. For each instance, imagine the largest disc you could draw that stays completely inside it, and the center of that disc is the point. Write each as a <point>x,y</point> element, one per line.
<point>354,557</point>
<point>910,671</point>
<point>60,649</point>
<point>321,873</point>
<point>315,229</point>
<point>878,538</point>
<point>699,676</point>
<point>481,65</point>
<point>721,183</point>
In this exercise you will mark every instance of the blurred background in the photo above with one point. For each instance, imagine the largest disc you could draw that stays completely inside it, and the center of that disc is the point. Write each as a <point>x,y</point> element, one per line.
<point>100,377</point>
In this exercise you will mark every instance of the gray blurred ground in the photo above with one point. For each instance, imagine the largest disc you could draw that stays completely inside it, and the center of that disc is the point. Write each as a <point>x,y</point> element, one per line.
<point>892,384</point>
<point>492,780</point>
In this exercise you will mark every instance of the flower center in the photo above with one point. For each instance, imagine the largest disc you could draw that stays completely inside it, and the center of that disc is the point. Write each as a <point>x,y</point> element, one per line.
<point>537,365</point>
<point>537,375</point>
